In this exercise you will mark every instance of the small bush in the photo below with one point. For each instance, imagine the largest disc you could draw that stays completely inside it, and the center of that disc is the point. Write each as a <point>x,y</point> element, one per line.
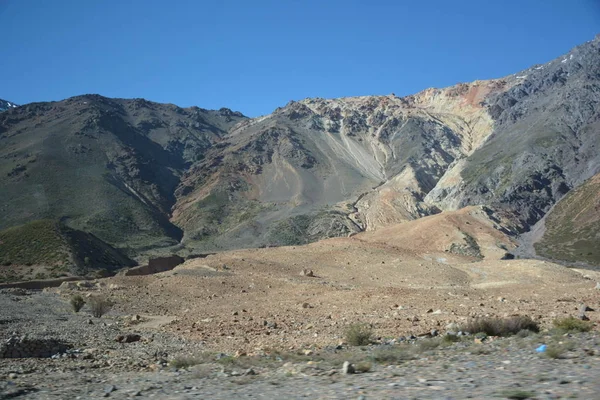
<point>429,344</point>
<point>392,355</point>
<point>99,305</point>
<point>571,324</point>
<point>185,361</point>
<point>77,302</point>
<point>362,367</point>
<point>359,334</point>
<point>501,327</point>
<point>554,351</point>
<point>450,338</point>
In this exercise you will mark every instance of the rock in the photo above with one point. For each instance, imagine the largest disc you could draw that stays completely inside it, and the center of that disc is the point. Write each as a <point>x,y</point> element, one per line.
<point>249,371</point>
<point>429,311</point>
<point>109,389</point>
<point>128,338</point>
<point>598,285</point>
<point>136,318</point>
<point>434,332</point>
<point>307,272</point>
<point>12,376</point>
<point>348,368</point>
<point>308,352</point>
<point>452,327</point>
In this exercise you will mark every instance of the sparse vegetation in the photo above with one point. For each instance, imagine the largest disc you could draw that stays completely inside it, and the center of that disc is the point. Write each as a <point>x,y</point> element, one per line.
<point>429,344</point>
<point>359,334</point>
<point>501,326</point>
<point>77,302</point>
<point>99,305</point>
<point>572,324</point>
<point>392,355</point>
<point>554,351</point>
<point>38,242</point>
<point>186,361</point>
<point>363,366</point>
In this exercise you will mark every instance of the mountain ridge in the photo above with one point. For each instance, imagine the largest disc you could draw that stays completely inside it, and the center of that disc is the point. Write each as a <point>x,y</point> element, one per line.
<point>199,180</point>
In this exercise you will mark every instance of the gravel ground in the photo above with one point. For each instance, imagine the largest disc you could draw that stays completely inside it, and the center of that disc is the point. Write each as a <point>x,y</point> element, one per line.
<point>99,367</point>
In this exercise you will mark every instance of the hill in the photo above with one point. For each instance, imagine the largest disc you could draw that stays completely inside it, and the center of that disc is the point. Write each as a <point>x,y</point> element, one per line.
<point>47,249</point>
<point>105,166</point>
<point>572,228</point>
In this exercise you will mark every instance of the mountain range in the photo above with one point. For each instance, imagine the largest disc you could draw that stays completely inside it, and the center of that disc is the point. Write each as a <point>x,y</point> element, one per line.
<point>147,178</point>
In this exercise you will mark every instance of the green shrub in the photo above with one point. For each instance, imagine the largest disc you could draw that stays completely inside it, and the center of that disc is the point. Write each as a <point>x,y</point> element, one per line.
<point>571,324</point>
<point>77,302</point>
<point>359,334</point>
<point>501,326</point>
<point>99,305</point>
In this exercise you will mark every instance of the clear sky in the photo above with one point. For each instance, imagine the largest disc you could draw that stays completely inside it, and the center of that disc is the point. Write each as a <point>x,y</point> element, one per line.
<point>256,55</point>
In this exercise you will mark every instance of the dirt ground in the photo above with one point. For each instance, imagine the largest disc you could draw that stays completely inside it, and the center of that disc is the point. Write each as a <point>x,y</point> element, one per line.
<point>403,280</point>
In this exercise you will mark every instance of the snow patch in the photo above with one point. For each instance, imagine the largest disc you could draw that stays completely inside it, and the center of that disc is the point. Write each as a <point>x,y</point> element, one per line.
<point>521,76</point>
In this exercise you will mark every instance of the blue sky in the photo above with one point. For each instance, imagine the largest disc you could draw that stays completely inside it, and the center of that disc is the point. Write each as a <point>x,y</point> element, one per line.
<point>256,55</point>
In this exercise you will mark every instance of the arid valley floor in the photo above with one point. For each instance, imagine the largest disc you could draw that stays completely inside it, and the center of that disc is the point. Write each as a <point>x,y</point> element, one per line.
<point>250,323</point>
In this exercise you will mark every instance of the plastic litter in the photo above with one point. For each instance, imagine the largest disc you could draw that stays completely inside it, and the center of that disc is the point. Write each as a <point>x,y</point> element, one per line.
<point>541,349</point>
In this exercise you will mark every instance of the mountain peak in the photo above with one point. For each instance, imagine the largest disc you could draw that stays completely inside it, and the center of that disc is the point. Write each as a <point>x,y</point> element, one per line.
<point>5,105</point>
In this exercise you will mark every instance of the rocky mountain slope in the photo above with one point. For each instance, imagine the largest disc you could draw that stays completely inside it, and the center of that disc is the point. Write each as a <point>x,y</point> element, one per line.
<point>572,227</point>
<point>5,105</point>
<point>317,167</point>
<point>141,175</point>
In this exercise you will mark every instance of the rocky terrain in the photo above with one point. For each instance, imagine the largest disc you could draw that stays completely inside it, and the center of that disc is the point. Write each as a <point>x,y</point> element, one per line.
<point>155,178</point>
<point>204,329</point>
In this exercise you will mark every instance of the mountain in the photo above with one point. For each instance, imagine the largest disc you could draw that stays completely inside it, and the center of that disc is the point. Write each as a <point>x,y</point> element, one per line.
<point>140,175</point>
<point>105,166</point>
<point>318,168</point>
<point>5,105</point>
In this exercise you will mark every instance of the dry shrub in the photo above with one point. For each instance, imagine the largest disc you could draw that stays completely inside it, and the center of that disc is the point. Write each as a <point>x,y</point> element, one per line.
<point>359,334</point>
<point>501,326</point>
<point>571,324</point>
<point>99,305</point>
<point>77,302</point>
